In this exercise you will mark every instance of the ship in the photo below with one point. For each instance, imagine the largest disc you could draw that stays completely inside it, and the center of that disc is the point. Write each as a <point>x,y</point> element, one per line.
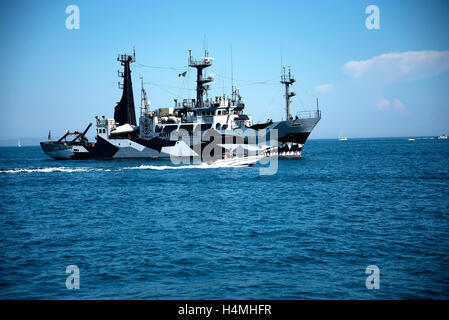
<point>204,129</point>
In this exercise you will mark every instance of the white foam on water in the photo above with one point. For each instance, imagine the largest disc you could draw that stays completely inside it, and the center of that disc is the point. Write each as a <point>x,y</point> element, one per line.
<point>51,169</point>
<point>193,166</point>
<point>213,165</point>
<point>224,163</point>
<point>150,167</point>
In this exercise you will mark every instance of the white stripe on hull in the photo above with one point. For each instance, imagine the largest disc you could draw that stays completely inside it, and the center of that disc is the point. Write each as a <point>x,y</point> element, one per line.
<point>131,149</point>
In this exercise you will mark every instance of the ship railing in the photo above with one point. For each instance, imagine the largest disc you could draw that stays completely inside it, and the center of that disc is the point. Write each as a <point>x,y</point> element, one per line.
<point>309,114</point>
<point>187,103</point>
<point>206,79</point>
<point>204,62</point>
<point>287,79</point>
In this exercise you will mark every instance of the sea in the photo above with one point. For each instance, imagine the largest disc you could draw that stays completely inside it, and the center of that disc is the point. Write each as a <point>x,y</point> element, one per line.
<point>356,219</point>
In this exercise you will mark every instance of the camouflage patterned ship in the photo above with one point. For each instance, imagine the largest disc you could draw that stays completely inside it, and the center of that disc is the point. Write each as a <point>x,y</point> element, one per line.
<point>201,128</point>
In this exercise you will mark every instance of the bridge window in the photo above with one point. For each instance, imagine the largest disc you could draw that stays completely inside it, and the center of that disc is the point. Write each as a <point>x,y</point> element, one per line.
<point>218,126</point>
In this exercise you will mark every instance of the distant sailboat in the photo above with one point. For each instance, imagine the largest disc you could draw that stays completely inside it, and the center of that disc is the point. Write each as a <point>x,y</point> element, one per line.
<point>19,144</point>
<point>341,137</point>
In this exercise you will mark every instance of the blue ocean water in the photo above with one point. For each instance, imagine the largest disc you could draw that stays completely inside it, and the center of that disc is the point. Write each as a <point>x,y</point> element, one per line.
<point>140,229</point>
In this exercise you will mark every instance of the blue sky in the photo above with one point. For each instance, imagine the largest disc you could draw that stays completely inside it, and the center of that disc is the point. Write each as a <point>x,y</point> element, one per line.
<point>370,83</point>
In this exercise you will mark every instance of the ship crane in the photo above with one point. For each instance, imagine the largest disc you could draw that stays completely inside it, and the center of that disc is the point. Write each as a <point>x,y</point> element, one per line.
<point>80,136</point>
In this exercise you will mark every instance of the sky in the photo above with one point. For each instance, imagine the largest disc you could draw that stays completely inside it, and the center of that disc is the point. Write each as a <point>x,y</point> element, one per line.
<point>388,82</point>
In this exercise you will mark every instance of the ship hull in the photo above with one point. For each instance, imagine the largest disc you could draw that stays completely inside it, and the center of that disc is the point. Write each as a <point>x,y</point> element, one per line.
<point>290,137</point>
<point>61,151</point>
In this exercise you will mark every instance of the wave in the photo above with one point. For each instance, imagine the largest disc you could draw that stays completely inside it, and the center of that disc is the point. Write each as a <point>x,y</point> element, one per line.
<point>141,167</point>
<point>150,167</point>
<point>50,169</point>
<point>192,166</point>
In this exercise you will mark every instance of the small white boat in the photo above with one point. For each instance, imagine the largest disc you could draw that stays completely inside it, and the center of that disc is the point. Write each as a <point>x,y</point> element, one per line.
<point>442,137</point>
<point>411,139</point>
<point>19,144</point>
<point>341,137</point>
<point>236,161</point>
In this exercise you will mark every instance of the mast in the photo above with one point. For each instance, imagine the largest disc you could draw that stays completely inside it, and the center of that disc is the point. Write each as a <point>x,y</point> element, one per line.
<point>201,79</point>
<point>287,80</point>
<point>232,81</point>
<point>124,112</point>
<point>144,102</point>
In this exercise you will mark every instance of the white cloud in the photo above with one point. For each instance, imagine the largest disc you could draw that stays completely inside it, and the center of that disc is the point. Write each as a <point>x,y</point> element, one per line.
<point>403,65</point>
<point>396,104</point>
<point>383,104</point>
<point>323,88</point>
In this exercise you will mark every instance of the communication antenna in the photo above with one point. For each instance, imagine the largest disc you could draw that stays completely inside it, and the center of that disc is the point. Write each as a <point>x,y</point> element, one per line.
<point>280,49</point>
<point>232,71</point>
<point>205,44</point>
